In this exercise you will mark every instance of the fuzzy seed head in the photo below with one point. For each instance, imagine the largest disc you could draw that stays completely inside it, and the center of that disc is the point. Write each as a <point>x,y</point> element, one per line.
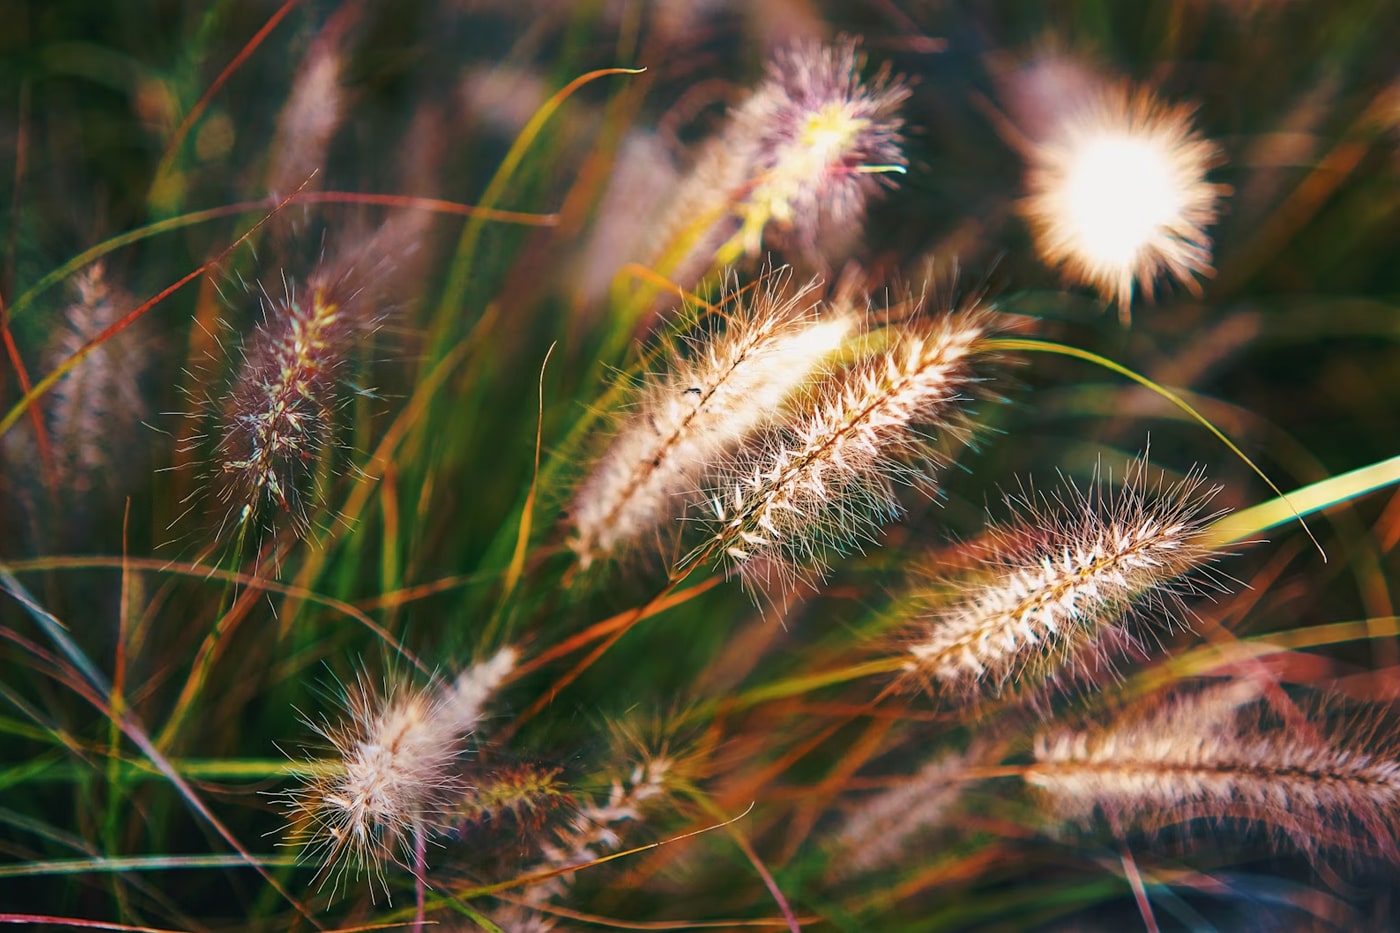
<point>596,828</point>
<point>101,397</point>
<point>1117,193</point>
<point>281,412</point>
<point>313,113</point>
<point>732,382</point>
<point>280,416</point>
<point>397,771</point>
<point>823,141</point>
<point>1213,755</point>
<point>877,831</point>
<point>1068,569</point>
<point>826,480</point>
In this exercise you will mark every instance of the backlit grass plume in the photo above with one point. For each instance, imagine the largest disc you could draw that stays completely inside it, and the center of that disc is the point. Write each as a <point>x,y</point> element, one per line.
<point>396,777</point>
<point>1067,569</point>
<point>766,343</point>
<point>1117,194</point>
<point>315,109</point>
<point>1226,754</point>
<point>877,832</point>
<point>823,141</point>
<point>280,416</point>
<point>794,165</point>
<point>826,479</point>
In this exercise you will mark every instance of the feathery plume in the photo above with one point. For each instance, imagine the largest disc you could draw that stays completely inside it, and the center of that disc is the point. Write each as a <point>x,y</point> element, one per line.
<point>796,163</point>
<point>524,792</point>
<point>875,833</point>
<point>823,142</point>
<point>1117,193</point>
<point>280,414</point>
<point>501,98</point>
<point>594,830</point>
<point>90,415</point>
<point>827,479</point>
<point>281,411</point>
<point>735,380</point>
<point>99,402</point>
<point>644,175</point>
<point>592,833</point>
<point>314,110</point>
<point>1224,754</point>
<point>398,774</point>
<point>1068,569</point>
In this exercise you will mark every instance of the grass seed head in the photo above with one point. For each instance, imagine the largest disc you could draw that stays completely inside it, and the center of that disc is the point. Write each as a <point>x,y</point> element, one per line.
<point>314,111</point>
<point>1217,755</point>
<point>822,140</point>
<point>876,832</point>
<point>825,479</point>
<point>793,167</point>
<point>397,774</point>
<point>1068,568</point>
<point>597,827</point>
<point>100,400</point>
<point>281,414</point>
<point>731,382</point>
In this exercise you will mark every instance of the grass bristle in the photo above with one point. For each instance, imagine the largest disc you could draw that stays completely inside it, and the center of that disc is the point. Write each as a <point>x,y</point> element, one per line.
<point>398,775</point>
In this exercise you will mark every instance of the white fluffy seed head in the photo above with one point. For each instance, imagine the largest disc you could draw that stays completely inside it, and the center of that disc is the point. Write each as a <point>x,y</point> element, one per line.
<point>396,772</point>
<point>1061,575</point>
<point>1117,193</point>
<point>314,111</point>
<point>826,479</point>
<point>1206,756</point>
<point>714,394</point>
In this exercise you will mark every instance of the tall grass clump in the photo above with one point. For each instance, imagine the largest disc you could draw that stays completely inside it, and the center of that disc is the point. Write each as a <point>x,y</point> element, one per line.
<point>656,465</point>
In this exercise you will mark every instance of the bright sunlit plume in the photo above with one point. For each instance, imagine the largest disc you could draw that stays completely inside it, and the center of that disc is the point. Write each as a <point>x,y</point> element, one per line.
<point>1118,195</point>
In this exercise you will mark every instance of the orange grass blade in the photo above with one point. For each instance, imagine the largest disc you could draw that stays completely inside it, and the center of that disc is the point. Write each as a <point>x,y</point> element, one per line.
<point>207,572</point>
<point>747,848</point>
<point>79,923</point>
<point>610,625</point>
<point>435,205</point>
<point>41,434</point>
<point>195,218</point>
<point>177,139</point>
